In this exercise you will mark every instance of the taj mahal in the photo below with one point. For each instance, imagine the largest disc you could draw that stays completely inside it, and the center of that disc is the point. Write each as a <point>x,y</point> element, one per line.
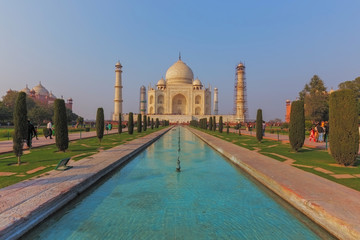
<point>181,98</point>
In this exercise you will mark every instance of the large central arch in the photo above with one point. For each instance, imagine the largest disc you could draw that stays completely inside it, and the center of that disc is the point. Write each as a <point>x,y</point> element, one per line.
<point>179,106</point>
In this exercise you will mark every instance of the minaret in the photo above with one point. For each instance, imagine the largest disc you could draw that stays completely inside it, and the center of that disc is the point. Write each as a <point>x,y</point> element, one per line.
<point>143,100</point>
<point>240,93</point>
<point>216,110</point>
<point>118,92</point>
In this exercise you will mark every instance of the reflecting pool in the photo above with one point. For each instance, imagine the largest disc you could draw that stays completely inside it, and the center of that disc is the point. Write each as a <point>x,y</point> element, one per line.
<point>147,199</point>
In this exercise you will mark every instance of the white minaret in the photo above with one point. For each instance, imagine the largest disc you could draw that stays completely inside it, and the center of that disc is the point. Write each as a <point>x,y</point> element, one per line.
<point>240,93</point>
<point>118,92</point>
<point>216,110</point>
<point>143,100</point>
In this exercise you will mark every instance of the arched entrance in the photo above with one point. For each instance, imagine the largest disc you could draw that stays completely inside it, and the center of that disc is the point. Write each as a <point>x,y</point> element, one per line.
<point>179,105</point>
<point>160,110</point>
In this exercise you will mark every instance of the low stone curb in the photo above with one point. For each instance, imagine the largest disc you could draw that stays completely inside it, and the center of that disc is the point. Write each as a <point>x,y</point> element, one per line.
<point>26,204</point>
<point>330,205</point>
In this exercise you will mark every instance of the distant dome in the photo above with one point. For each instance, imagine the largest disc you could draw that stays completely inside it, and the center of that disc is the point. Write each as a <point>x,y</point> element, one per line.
<point>40,90</point>
<point>161,82</point>
<point>197,82</point>
<point>26,90</point>
<point>179,73</point>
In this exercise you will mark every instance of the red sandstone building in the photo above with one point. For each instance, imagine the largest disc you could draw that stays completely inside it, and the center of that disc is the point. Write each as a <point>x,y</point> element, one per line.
<point>40,94</point>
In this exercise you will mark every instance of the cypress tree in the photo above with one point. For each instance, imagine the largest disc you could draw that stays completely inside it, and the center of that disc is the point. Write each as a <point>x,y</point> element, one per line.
<point>259,121</point>
<point>152,123</point>
<point>221,126</point>
<point>343,127</point>
<point>139,125</point>
<point>148,121</point>
<point>297,125</point>
<point>61,128</point>
<point>227,128</point>
<point>206,124</point>
<point>157,123</point>
<point>210,123</point>
<point>120,124</point>
<point>20,125</point>
<point>131,123</point>
<point>100,124</point>
<point>144,123</point>
<point>214,123</point>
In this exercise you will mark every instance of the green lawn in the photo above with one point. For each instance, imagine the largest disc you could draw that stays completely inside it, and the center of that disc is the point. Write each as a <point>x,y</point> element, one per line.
<point>48,156</point>
<point>313,158</point>
<point>6,133</point>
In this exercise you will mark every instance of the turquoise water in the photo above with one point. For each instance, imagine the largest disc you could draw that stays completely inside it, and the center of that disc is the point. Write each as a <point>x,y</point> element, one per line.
<point>148,199</point>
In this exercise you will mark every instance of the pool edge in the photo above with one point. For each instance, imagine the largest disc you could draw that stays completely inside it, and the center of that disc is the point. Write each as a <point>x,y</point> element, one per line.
<point>333,223</point>
<point>18,224</point>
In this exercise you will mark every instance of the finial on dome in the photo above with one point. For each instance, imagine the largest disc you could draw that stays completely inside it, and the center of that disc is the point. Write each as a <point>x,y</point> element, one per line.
<point>180,56</point>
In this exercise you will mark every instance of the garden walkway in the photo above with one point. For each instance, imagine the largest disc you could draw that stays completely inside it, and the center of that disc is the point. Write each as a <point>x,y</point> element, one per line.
<point>282,138</point>
<point>7,146</point>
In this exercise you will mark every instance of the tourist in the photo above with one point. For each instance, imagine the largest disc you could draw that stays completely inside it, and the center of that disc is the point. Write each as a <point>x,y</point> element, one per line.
<point>321,132</point>
<point>31,134</point>
<point>263,128</point>
<point>312,135</point>
<point>49,128</point>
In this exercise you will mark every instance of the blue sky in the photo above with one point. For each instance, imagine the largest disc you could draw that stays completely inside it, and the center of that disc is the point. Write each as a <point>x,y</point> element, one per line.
<point>72,47</point>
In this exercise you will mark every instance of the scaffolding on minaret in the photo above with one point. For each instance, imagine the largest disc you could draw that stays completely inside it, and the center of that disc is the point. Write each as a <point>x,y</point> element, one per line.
<point>240,96</point>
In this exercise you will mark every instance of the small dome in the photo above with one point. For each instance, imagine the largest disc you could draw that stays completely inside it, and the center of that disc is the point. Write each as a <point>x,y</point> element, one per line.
<point>161,82</point>
<point>51,95</point>
<point>26,90</point>
<point>118,65</point>
<point>40,90</point>
<point>197,82</point>
<point>179,73</point>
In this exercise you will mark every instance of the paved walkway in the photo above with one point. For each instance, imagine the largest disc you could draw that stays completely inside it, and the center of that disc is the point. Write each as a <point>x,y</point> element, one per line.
<point>331,205</point>
<point>7,146</point>
<point>282,138</point>
<point>25,204</point>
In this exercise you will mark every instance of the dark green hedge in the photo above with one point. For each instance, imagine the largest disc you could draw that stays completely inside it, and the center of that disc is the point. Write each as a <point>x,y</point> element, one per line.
<point>343,127</point>
<point>297,125</point>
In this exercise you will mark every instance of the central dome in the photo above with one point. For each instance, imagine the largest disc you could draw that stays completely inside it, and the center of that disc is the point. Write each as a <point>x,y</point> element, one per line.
<point>179,73</point>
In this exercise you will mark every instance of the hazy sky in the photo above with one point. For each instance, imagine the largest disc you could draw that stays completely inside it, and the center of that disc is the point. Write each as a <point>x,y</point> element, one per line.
<point>72,47</point>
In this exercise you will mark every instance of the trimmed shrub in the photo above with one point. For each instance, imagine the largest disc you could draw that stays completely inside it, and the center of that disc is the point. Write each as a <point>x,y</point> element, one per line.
<point>152,123</point>
<point>120,124</point>
<point>157,123</point>
<point>100,124</point>
<point>131,123</point>
<point>210,123</point>
<point>20,125</point>
<point>139,125</point>
<point>259,121</point>
<point>144,123</point>
<point>221,126</point>
<point>227,128</point>
<point>61,128</point>
<point>297,125</point>
<point>214,123</point>
<point>149,122</point>
<point>343,127</point>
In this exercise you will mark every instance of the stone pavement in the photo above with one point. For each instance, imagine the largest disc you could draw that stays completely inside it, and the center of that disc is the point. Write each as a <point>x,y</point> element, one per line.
<point>331,205</point>
<point>7,146</point>
<point>25,204</point>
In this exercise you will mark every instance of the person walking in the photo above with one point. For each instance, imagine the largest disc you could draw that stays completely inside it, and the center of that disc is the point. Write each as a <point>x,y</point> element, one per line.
<point>321,132</point>
<point>30,134</point>
<point>49,128</point>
